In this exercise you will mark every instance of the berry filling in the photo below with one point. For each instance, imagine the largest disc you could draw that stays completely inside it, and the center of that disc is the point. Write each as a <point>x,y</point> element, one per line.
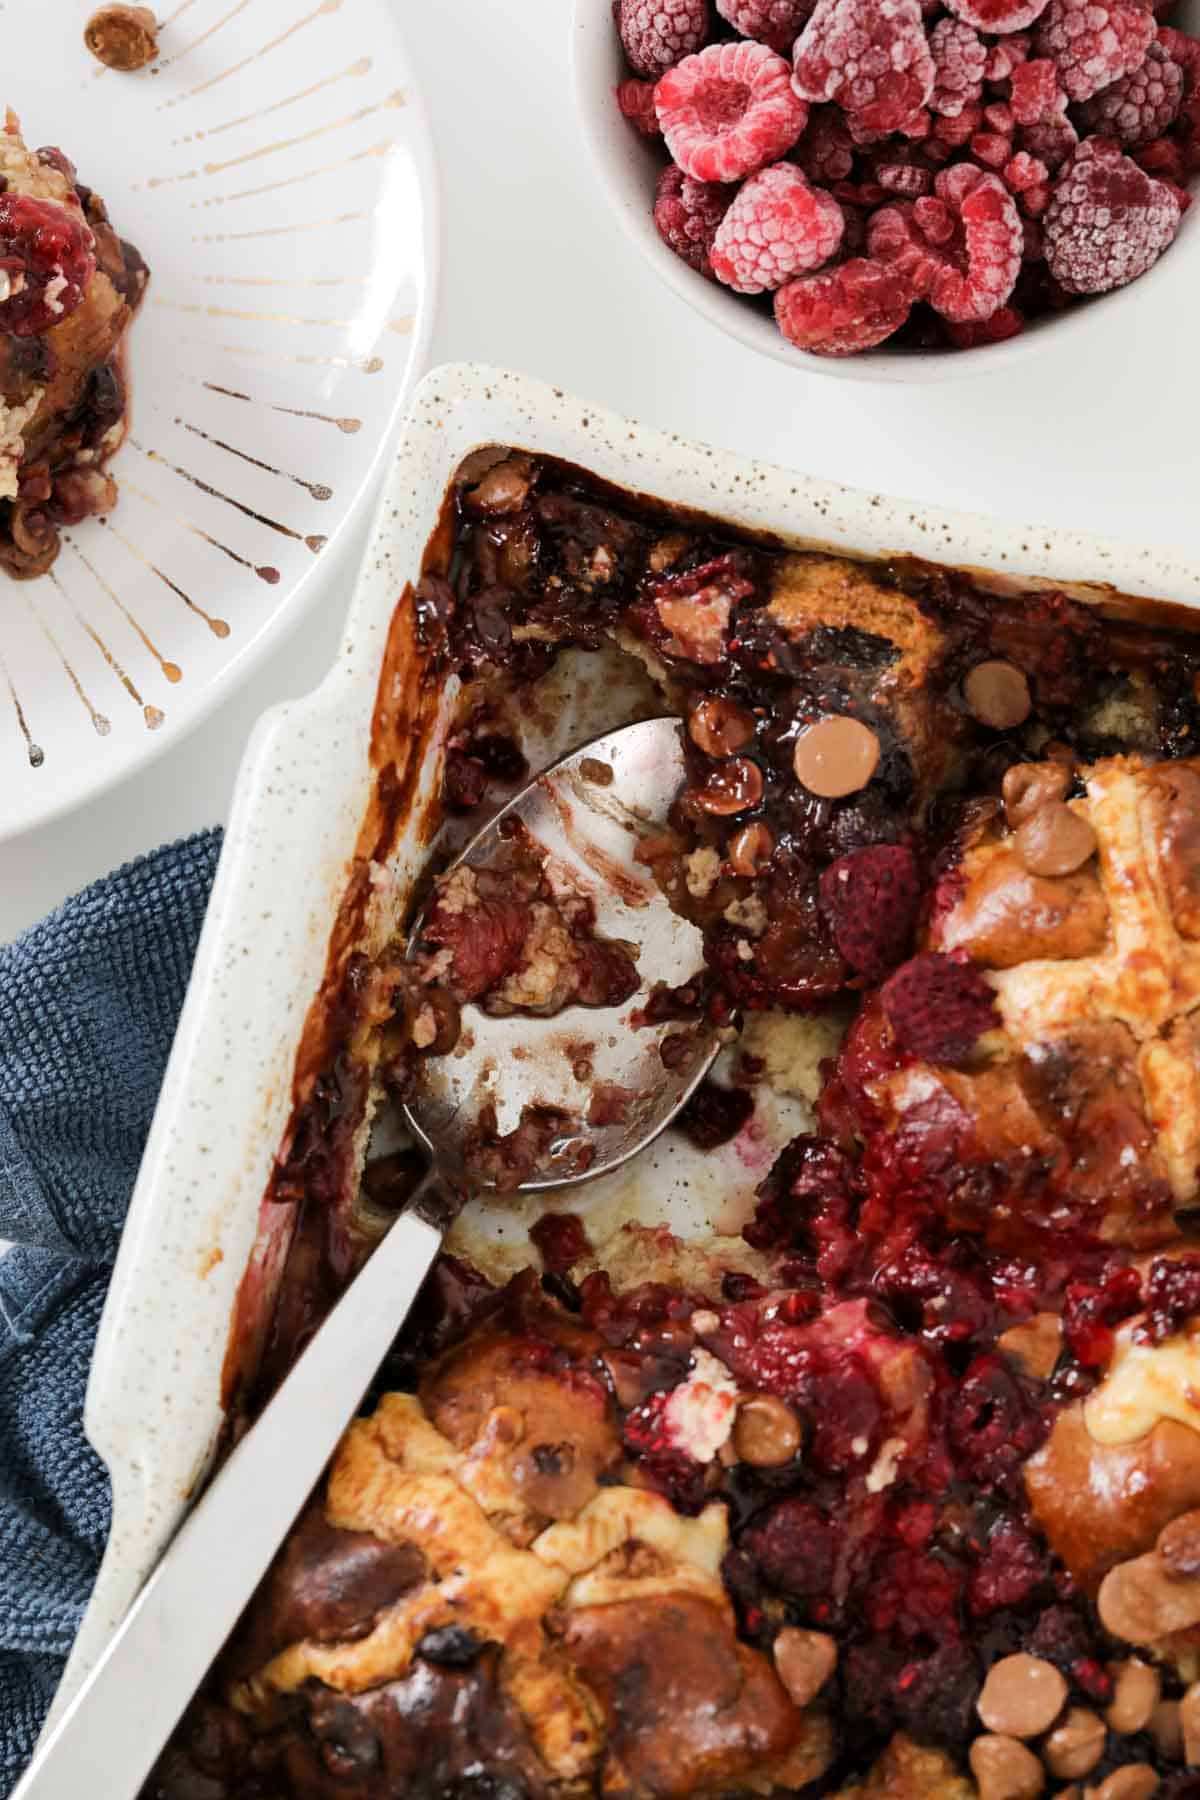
<point>893,1402</point>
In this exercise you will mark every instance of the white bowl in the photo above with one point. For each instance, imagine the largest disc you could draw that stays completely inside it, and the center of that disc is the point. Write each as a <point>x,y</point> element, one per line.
<point>628,166</point>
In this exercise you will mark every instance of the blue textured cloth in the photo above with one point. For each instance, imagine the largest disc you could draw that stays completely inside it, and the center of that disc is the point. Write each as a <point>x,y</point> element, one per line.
<point>88,1004</point>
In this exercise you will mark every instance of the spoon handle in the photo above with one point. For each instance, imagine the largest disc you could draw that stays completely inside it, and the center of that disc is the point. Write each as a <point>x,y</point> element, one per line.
<point>110,1736</point>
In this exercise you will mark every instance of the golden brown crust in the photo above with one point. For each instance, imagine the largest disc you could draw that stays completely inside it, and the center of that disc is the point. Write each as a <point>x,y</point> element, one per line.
<point>1100,1504</point>
<point>911,1771</point>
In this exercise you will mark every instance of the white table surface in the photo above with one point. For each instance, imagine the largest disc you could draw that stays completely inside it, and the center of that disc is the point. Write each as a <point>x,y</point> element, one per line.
<point>536,275</point>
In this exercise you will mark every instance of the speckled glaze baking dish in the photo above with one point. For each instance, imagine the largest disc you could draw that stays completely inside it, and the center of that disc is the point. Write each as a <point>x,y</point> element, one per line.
<point>329,830</point>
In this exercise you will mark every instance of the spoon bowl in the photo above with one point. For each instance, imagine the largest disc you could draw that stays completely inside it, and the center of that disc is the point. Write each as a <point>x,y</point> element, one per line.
<point>589,814</point>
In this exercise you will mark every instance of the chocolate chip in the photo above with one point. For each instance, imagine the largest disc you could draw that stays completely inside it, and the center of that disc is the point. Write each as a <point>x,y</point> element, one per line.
<point>1028,786</point>
<point>766,1433</point>
<point>1166,1728</point>
<point>1189,1725</point>
<point>720,728</point>
<point>1055,840</point>
<point>1005,1769</point>
<point>1179,1544</point>
<point>1136,1781</point>
<point>750,850</point>
<point>1136,1691</point>
<point>836,756</point>
<point>1142,1600</point>
<point>734,787</point>
<point>804,1661</point>
<point>1076,1746</point>
<point>1022,1696</point>
<point>997,694</point>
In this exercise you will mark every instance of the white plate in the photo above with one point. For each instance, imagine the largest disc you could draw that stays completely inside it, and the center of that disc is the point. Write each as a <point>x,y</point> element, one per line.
<point>153,1406</point>
<point>274,169</point>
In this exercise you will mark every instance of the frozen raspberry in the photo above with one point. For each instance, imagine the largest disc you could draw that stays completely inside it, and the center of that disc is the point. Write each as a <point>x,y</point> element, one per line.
<point>1006,56</point>
<point>869,899</point>
<point>1107,222</point>
<point>953,133</point>
<point>935,219</point>
<point>1163,157</point>
<point>997,15</point>
<point>774,22</point>
<point>1185,51</point>
<point>1093,42</point>
<point>998,116</point>
<point>908,180</point>
<point>777,228</point>
<point>1024,172</point>
<point>636,101</point>
<point>826,151</point>
<point>939,1007</point>
<point>968,271</point>
<point>871,56</point>
<point>1141,105</point>
<point>659,33</point>
<point>50,248</point>
<point>1029,179</point>
<point>990,149</point>
<point>959,58</point>
<point>1052,142</point>
<point>1006,323</point>
<point>687,214</point>
<point>1036,95</point>
<point>863,195</point>
<point>851,308</point>
<point>729,111</point>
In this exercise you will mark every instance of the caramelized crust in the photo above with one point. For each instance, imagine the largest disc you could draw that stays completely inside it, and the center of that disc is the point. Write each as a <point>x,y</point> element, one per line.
<point>551,1422</point>
<point>1091,1092</point>
<point>689,1710</point>
<point>1008,916</point>
<point>1100,1504</point>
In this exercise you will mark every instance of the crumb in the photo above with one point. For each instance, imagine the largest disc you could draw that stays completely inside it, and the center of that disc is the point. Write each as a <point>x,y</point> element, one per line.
<point>122,37</point>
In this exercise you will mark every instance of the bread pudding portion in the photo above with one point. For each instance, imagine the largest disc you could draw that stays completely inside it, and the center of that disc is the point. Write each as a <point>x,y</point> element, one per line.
<point>69,288</point>
<point>896,1494</point>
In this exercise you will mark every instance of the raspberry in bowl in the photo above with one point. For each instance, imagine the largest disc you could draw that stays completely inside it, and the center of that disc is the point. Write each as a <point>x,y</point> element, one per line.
<point>877,186</point>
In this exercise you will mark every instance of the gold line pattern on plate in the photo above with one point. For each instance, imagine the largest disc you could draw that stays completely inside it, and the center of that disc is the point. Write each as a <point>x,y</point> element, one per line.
<point>248,315</point>
<point>317,489</point>
<point>218,627</point>
<point>265,231</point>
<point>168,62</point>
<point>35,753</point>
<point>150,714</point>
<point>272,187</point>
<point>100,725</point>
<point>265,571</point>
<point>397,98</point>
<point>314,543</point>
<point>283,281</point>
<point>322,11</point>
<point>171,670</point>
<point>347,425</point>
<point>370,365</point>
<point>361,67</point>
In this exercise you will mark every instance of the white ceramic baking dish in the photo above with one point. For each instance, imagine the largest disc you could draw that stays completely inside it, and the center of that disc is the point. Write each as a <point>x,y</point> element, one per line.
<point>154,1402</point>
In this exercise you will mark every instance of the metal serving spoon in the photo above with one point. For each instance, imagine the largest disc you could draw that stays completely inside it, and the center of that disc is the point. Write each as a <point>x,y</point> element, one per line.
<point>590,824</point>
